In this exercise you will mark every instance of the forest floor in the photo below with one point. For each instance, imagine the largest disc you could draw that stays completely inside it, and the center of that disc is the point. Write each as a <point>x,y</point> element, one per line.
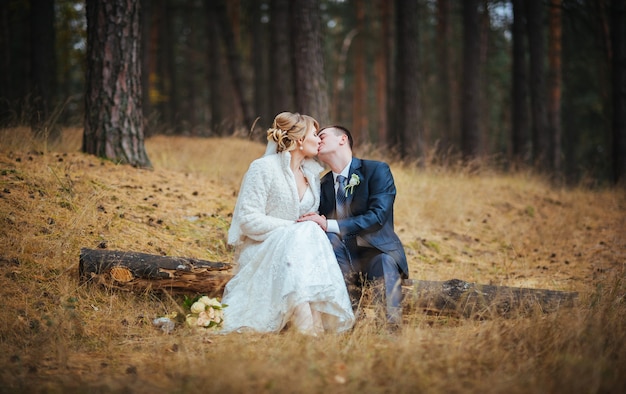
<point>478,225</point>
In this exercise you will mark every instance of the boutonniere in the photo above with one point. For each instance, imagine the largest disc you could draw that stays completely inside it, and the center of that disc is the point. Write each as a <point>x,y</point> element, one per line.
<point>354,181</point>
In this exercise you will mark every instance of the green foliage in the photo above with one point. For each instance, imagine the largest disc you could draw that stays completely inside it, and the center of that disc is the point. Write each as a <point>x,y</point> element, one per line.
<point>189,301</point>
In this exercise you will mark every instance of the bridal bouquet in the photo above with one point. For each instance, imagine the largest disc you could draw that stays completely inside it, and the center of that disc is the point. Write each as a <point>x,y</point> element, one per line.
<point>204,312</point>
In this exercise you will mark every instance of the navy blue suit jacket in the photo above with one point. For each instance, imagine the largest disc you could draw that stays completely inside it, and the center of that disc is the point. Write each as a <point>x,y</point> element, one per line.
<point>370,206</point>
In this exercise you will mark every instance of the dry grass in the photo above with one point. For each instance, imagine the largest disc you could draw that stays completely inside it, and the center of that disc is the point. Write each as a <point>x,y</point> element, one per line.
<point>57,335</point>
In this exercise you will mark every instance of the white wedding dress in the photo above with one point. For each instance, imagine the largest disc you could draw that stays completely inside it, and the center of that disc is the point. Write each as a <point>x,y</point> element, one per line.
<point>287,270</point>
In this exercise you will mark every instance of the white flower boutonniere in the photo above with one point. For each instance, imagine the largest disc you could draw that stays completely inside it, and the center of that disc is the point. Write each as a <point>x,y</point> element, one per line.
<point>354,181</point>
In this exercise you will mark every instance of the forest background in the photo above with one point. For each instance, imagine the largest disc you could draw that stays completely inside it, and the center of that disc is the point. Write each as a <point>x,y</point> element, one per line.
<point>442,84</point>
<point>532,82</point>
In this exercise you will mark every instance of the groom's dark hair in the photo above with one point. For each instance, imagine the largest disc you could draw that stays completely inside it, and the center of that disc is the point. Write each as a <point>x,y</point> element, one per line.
<point>342,130</point>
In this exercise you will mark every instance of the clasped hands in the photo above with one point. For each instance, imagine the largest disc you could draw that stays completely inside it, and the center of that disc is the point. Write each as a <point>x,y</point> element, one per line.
<point>315,217</point>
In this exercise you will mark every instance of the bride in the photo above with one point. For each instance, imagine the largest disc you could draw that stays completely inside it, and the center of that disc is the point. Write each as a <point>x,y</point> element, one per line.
<point>287,271</point>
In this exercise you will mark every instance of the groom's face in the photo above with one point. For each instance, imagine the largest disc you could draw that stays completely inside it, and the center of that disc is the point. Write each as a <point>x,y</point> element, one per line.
<point>330,141</point>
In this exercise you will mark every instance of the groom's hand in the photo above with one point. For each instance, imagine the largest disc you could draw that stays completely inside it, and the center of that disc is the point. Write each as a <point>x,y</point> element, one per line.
<point>315,217</point>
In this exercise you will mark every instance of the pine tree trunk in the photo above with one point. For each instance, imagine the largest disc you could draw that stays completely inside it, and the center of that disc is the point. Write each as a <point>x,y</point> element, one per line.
<point>382,71</point>
<point>113,110</point>
<point>484,104</point>
<point>259,65</point>
<point>147,59</point>
<point>408,123</point>
<point>520,128</point>
<point>618,45</point>
<point>311,93</point>
<point>191,102</point>
<point>16,64</point>
<point>540,132</point>
<point>554,84</point>
<point>5,62</point>
<point>359,99</point>
<point>444,74</point>
<point>339,113</point>
<point>280,62</point>
<point>171,82</point>
<point>43,69</point>
<point>171,105</point>
<point>214,72</point>
<point>470,132</point>
<point>234,63</point>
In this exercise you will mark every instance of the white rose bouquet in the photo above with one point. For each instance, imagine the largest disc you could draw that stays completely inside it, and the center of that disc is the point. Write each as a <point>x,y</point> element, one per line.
<point>204,312</point>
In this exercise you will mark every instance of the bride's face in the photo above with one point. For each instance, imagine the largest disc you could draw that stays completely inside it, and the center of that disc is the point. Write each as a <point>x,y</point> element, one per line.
<point>311,143</point>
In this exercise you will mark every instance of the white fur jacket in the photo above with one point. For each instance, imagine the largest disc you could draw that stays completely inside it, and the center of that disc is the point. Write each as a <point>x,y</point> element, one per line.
<point>268,197</point>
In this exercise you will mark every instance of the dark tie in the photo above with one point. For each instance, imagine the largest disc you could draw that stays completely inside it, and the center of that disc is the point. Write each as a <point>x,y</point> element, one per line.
<point>341,196</point>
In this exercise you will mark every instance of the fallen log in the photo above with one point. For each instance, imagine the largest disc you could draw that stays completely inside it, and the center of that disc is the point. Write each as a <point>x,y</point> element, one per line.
<point>472,300</point>
<point>141,271</point>
<point>146,272</point>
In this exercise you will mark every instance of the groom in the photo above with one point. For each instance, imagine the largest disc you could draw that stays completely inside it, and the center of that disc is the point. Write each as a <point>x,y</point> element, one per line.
<point>357,199</point>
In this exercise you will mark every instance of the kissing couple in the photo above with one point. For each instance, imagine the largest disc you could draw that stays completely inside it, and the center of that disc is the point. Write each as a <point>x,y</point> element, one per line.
<point>288,273</point>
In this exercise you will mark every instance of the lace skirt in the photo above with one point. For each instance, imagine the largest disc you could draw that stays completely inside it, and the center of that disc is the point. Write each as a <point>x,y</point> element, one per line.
<point>294,265</point>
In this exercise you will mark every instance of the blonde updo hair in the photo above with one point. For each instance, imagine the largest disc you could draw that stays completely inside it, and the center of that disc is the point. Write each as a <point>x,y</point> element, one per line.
<point>288,128</point>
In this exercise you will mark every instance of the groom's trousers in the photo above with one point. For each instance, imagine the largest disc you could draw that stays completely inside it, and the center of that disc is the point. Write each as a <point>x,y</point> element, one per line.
<point>370,264</point>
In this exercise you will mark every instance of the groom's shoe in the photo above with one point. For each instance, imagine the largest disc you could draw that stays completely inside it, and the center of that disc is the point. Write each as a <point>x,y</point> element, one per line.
<point>356,296</point>
<point>393,328</point>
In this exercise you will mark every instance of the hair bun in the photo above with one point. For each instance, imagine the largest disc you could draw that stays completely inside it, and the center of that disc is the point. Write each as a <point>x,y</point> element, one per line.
<point>288,128</point>
<point>280,137</point>
<point>275,134</point>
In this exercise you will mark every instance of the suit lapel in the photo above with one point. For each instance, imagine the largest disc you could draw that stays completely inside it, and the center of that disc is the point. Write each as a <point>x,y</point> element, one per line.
<point>328,193</point>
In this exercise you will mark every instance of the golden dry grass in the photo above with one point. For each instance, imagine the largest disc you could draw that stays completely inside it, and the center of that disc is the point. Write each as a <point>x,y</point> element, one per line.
<point>57,335</point>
